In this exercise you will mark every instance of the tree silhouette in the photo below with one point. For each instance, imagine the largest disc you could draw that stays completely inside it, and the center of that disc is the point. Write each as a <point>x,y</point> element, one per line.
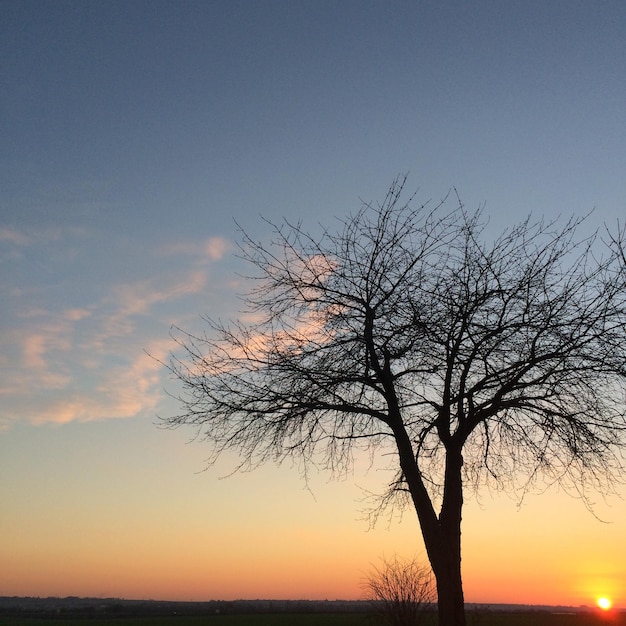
<point>473,360</point>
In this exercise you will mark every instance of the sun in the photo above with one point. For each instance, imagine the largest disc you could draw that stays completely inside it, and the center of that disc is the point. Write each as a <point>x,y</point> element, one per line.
<point>604,603</point>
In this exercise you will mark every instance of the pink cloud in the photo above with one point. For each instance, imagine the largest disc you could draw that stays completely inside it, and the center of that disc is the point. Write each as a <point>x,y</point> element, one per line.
<point>89,363</point>
<point>36,350</point>
<point>135,299</point>
<point>216,247</point>
<point>14,237</point>
<point>75,315</point>
<point>212,248</point>
<point>19,238</point>
<point>126,391</point>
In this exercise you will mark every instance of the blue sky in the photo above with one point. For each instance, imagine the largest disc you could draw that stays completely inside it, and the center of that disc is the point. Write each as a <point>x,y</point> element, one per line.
<point>133,134</point>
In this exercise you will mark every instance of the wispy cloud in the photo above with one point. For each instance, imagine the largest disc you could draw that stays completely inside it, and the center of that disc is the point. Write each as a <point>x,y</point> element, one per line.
<point>120,311</point>
<point>211,249</point>
<point>35,350</point>
<point>99,360</point>
<point>128,390</point>
<point>216,247</point>
<point>137,298</point>
<point>15,237</point>
<point>36,236</point>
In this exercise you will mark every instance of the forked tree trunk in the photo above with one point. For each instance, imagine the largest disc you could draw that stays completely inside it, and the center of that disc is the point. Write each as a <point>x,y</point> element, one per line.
<point>442,533</point>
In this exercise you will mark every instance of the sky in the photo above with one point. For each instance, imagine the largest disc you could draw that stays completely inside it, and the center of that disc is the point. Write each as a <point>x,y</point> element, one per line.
<point>134,137</point>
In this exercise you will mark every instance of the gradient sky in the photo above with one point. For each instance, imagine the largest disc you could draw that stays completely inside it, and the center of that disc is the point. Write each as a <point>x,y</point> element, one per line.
<point>131,135</point>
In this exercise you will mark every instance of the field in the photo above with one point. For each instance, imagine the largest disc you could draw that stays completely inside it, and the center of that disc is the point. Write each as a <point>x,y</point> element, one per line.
<point>284,619</point>
<point>339,619</point>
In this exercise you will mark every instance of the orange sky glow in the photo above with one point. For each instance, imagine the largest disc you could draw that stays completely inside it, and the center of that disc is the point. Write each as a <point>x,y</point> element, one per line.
<point>263,535</point>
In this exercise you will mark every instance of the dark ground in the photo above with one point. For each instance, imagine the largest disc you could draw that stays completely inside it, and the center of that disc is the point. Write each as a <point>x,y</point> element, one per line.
<point>117,612</point>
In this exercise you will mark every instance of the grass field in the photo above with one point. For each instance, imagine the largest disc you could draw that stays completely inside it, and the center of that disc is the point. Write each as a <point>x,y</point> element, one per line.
<point>325,619</point>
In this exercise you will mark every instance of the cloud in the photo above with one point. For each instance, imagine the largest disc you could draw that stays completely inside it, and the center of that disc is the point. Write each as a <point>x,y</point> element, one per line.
<point>15,237</point>
<point>61,380</point>
<point>128,390</point>
<point>210,249</point>
<point>75,315</point>
<point>122,307</point>
<point>92,362</point>
<point>137,298</point>
<point>34,351</point>
<point>216,247</point>
<point>36,236</point>
<point>75,350</point>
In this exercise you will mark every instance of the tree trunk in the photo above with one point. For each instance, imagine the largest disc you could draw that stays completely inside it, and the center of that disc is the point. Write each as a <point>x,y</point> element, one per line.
<point>444,548</point>
<point>450,601</point>
<point>442,534</point>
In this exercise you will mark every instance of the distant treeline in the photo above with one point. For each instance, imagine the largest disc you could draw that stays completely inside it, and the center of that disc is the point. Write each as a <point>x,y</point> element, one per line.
<point>74,607</point>
<point>92,608</point>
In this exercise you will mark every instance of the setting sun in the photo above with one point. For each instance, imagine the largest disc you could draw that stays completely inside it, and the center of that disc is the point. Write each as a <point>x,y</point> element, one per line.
<point>604,604</point>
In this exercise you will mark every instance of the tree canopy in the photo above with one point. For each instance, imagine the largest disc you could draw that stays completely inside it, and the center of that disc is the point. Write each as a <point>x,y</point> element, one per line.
<point>475,359</point>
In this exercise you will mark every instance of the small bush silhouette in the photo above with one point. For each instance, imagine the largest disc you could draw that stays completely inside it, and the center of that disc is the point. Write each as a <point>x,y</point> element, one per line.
<point>401,591</point>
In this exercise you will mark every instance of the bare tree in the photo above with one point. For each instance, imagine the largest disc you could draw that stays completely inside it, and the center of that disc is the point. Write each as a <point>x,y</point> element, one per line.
<point>408,330</point>
<point>402,591</point>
